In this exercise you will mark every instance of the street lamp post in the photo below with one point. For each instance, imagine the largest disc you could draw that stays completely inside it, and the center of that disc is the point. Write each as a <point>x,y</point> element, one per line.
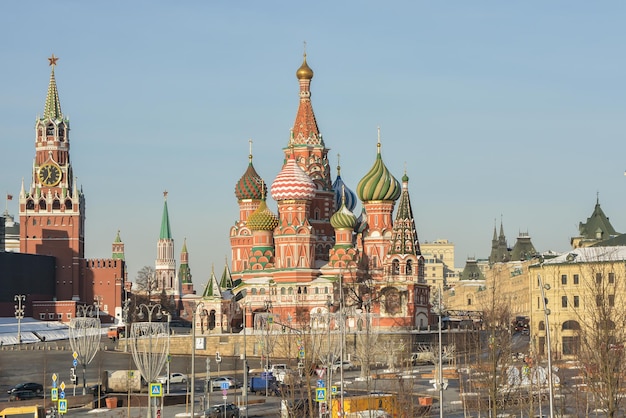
<point>19,315</point>
<point>150,364</point>
<point>193,357</point>
<point>546,313</point>
<point>96,302</point>
<point>84,335</point>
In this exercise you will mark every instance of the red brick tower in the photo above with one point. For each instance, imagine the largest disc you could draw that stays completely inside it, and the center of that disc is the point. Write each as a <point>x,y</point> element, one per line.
<point>52,208</point>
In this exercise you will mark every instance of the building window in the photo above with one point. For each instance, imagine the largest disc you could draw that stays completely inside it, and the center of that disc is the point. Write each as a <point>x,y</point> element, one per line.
<point>469,301</point>
<point>611,278</point>
<point>51,316</point>
<point>576,279</point>
<point>564,301</point>
<point>60,316</point>
<point>598,278</point>
<point>564,279</point>
<point>42,316</point>
<point>599,300</point>
<point>570,345</point>
<point>69,316</point>
<point>611,300</point>
<point>576,301</point>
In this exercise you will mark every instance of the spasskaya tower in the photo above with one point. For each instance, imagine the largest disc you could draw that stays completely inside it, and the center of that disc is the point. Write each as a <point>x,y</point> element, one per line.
<point>52,208</point>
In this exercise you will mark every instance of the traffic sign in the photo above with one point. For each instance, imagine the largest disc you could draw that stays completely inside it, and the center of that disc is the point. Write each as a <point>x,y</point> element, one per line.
<point>320,373</point>
<point>320,394</point>
<point>62,406</point>
<point>54,394</point>
<point>301,353</point>
<point>62,386</point>
<point>225,385</point>
<point>156,390</point>
<point>54,377</point>
<point>333,390</point>
<point>75,355</point>
<point>321,383</point>
<point>62,395</point>
<point>75,363</point>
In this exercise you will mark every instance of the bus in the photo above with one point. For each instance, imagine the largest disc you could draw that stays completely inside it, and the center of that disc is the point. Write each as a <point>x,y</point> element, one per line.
<point>34,411</point>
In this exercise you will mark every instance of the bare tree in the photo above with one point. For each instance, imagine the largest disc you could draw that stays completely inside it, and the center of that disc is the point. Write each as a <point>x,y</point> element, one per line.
<point>146,280</point>
<point>494,358</point>
<point>600,333</point>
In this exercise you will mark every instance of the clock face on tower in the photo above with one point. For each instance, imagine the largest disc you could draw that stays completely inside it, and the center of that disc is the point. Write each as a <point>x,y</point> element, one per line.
<point>49,174</point>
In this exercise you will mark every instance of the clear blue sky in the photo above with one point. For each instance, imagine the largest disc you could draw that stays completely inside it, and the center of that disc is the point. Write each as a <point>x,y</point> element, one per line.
<point>512,109</point>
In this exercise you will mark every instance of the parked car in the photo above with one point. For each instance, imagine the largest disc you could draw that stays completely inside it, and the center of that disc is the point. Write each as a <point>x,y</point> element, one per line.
<point>27,387</point>
<point>220,411</point>
<point>216,383</point>
<point>345,365</point>
<point>22,395</point>
<point>174,378</point>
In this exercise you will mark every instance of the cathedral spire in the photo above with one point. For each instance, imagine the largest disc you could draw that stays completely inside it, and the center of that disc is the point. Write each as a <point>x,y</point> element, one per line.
<point>404,237</point>
<point>52,109</point>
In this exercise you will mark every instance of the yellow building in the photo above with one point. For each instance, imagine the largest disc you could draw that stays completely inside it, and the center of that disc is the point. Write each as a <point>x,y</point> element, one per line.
<point>439,262</point>
<point>577,285</point>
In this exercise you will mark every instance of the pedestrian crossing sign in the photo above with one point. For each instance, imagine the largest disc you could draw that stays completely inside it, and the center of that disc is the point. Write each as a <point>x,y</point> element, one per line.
<point>320,394</point>
<point>54,394</point>
<point>62,406</point>
<point>156,390</point>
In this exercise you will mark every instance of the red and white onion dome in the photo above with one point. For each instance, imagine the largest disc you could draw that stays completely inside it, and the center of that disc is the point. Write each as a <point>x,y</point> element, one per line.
<point>292,183</point>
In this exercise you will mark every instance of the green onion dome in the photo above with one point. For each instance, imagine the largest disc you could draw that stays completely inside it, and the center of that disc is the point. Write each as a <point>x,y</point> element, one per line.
<point>250,185</point>
<point>378,183</point>
<point>262,219</point>
<point>343,218</point>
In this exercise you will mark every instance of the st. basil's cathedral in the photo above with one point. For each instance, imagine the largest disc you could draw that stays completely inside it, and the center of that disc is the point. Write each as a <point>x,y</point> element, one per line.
<point>315,255</point>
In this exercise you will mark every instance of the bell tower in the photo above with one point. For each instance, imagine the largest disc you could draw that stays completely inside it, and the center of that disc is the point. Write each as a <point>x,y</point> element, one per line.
<point>52,208</point>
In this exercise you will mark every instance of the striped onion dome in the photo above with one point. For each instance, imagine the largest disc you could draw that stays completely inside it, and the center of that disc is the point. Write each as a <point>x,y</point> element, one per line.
<point>262,219</point>
<point>250,185</point>
<point>343,218</point>
<point>341,189</point>
<point>378,184</point>
<point>292,183</point>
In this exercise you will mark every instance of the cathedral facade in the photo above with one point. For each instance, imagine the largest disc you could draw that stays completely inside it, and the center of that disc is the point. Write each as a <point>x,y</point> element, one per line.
<point>314,255</point>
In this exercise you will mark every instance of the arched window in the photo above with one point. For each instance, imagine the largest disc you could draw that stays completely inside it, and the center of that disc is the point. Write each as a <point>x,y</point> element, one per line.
<point>262,292</point>
<point>50,129</point>
<point>211,322</point>
<point>42,204</point>
<point>68,204</point>
<point>283,291</point>
<point>30,205</point>
<point>395,267</point>
<point>290,291</point>
<point>254,291</point>
<point>570,326</point>
<point>56,204</point>
<point>542,326</point>
<point>409,267</point>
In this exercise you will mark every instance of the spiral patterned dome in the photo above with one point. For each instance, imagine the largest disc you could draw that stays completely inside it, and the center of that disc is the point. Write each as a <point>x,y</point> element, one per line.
<point>343,218</point>
<point>292,183</point>
<point>250,185</point>
<point>262,219</point>
<point>378,183</point>
<point>343,192</point>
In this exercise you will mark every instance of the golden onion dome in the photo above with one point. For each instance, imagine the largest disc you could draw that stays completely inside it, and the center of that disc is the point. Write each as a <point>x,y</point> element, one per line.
<point>304,72</point>
<point>262,219</point>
